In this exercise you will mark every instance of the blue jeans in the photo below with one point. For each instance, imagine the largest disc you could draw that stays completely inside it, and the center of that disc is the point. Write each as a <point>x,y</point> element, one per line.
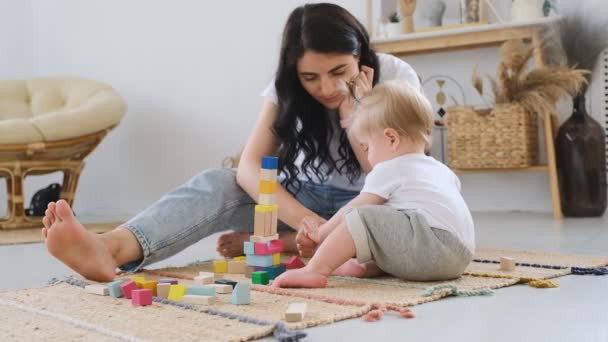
<point>208,203</point>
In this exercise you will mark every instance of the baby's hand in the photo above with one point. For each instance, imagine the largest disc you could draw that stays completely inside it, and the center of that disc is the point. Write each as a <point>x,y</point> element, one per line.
<point>305,239</point>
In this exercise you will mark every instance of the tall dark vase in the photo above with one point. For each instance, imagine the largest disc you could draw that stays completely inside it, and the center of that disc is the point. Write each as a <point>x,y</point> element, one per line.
<point>581,162</point>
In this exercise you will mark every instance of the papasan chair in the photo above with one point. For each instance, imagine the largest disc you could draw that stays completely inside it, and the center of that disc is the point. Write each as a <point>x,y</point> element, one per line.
<point>49,125</point>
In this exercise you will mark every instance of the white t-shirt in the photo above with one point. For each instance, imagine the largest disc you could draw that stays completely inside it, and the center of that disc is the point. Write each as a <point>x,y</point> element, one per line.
<point>391,68</point>
<point>421,183</point>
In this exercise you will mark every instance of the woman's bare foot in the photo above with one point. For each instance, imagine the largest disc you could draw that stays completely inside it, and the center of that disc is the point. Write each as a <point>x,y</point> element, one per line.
<point>352,268</point>
<point>302,277</point>
<point>71,243</point>
<point>230,245</point>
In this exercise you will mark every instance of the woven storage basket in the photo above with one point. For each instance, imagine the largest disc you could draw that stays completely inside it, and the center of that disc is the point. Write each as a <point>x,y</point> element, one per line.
<point>503,137</point>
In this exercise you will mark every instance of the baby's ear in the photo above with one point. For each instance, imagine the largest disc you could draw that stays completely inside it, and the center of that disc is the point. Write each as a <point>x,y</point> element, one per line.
<point>392,135</point>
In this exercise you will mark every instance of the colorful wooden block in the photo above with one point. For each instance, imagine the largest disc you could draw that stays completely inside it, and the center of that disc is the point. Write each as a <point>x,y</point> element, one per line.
<point>201,290</point>
<point>260,260</point>
<point>226,282</point>
<point>267,187</point>
<point>270,175</point>
<point>98,289</point>
<point>138,280</point>
<point>295,312</point>
<point>141,297</point>
<point>151,285</point>
<point>196,299</point>
<point>249,247</point>
<point>162,290</point>
<point>259,238</point>
<point>176,292</point>
<point>507,264</point>
<point>273,271</point>
<point>270,162</point>
<point>248,271</point>
<point>127,287</point>
<point>236,266</point>
<point>259,277</point>
<point>204,279</point>
<point>240,258</point>
<point>267,199</point>
<point>220,266</point>
<point>221,288</point>
<point>168,281</point>
<point>276,259</point>
<point>241,295</point>
<point>268,248</point>
<point>114,288</point>
<point>294,262</point>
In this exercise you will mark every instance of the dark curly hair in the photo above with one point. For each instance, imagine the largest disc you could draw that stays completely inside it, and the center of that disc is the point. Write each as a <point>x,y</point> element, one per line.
<point>303,124</point>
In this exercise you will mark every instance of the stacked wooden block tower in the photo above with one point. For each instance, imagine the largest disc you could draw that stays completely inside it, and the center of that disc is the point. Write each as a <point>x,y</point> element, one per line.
<point>264,249</point>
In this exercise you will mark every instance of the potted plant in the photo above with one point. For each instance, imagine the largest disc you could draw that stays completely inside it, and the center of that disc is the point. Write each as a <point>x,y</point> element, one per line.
<point>394,25</point>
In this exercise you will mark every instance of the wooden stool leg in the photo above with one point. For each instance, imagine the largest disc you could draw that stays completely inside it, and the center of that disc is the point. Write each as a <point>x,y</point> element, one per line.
<point>10,210</point>
<point>18,198</point>
<point>553,180</point>
<point>70,183</point>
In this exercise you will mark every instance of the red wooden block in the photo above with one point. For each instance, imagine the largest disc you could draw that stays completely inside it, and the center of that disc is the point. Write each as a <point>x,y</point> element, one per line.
<point>294,262</point>
<point>127,287</point>
<point>268,248</point>
<point>141,297</point>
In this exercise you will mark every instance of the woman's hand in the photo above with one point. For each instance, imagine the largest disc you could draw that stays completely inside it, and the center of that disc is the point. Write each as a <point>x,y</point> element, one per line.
<point>304,239</point>
<point>359,87</point>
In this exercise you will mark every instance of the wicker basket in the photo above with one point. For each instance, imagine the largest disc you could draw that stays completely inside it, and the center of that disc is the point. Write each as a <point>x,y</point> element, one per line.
<point>503,137</point>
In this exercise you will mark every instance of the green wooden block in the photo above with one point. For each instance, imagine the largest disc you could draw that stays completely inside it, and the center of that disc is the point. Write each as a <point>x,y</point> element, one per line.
<point>259,277</point>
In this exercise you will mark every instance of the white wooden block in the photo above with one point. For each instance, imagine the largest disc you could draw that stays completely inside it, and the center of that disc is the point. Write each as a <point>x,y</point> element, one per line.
<point>507,264</point>
<point>267,199</point>
<point>195,299</point>
<point>162,290</point>
<point>257,238</point>
<point>204,279</point>
<point>295,312</point>
<point>268,175</point>
<point>222,288</point>
<point>97,289</point>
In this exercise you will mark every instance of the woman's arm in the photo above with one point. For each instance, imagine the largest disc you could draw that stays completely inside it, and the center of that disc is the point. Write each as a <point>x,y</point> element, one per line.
<point>263,142</point>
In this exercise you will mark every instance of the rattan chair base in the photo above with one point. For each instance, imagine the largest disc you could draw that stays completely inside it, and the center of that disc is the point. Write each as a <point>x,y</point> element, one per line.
<point>21,160</point>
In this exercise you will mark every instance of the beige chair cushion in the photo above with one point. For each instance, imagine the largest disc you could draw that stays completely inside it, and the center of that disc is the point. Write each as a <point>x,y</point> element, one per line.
<point>51,109</point>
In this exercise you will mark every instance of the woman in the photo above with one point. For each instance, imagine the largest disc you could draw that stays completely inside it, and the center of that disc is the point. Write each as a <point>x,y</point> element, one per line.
<point>302,122</point>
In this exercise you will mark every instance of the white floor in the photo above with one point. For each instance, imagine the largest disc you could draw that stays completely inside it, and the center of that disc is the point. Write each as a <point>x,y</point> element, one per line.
<point>576,311</point>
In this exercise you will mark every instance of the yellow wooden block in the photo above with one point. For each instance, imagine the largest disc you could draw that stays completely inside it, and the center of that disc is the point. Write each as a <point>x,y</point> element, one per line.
<point>220,266</point>
<point>266,208</point>
<point>177,292</point>
<point>240,258</point>
<point>276,259</point>
<point>138,281</point>
<point>267,187</point>
<point>149,284</point>
<point>268,175</point>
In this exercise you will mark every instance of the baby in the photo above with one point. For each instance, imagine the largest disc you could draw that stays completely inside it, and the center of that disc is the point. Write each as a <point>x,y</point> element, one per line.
<point>410,219</point>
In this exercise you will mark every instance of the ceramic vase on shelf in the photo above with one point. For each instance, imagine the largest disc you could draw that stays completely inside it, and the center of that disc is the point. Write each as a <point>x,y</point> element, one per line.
<point>432,12</point>
<point>393,29</point>
<point>526,10</point>
<point>581,163</point>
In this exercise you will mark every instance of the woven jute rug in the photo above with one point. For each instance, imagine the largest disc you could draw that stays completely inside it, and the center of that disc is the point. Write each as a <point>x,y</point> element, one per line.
<point>63,311</point>
<point>34,235</point>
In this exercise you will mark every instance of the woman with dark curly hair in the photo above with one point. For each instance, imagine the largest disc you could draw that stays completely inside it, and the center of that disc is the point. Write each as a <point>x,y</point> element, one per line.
<point>302,121</point>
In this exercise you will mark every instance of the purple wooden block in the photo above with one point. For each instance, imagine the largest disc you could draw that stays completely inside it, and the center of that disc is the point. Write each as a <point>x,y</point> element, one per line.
<point>168,281</point>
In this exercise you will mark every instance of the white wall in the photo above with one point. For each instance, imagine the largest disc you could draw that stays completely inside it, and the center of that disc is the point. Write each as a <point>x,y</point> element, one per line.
<point>191,72</point>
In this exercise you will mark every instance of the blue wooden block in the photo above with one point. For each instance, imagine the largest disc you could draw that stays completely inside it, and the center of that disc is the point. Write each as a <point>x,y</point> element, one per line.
<point>241,294</point>
<point>259,260</point>
<point>114,288</point>
<point>270,163</point>
<point>273,271</point>
<point>249,248</point>
<point>201,290</point>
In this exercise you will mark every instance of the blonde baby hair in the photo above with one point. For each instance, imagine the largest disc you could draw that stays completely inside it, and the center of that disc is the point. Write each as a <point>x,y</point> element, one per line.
<point>396,105</point>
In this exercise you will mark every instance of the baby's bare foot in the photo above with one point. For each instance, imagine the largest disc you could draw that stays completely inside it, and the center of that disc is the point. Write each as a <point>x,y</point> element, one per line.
<point>302,277</point>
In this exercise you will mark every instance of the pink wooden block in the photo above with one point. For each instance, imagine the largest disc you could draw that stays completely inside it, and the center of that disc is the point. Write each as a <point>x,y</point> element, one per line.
<point>127,287</point>
<point>141,297</point>
<point>294,262</point>
<point>268,248</point>
<point>275,246</point>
